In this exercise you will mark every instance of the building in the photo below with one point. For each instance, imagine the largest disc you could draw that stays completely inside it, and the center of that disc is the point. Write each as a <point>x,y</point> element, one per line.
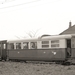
<point>70,30</point>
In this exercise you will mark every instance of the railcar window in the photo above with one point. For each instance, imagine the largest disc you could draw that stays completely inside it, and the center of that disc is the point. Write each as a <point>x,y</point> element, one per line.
<point>25,45</point>
<point>33,45</point>
<point>4,46</point>
<point>0,45</point>
<point>55,41</point>
<point>45,44</point>
<point>18,45</point>
<point>10,45</point>
<point>55,45</point>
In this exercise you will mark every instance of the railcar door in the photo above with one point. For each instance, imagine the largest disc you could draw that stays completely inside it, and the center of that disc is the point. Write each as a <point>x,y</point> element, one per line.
<point>73,46</point>
<point>68,48</point>
<point>3,50</point>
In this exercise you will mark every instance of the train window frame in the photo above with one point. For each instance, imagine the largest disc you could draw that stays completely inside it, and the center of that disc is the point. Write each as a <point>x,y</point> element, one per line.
<point>10,46</point>
<point>18,45</point>
<point>33,45</point>
<point>4,46</point>
<point>55,43</point>
<point>25,47</point>
<point>45,43</point>
<point>0,45</point>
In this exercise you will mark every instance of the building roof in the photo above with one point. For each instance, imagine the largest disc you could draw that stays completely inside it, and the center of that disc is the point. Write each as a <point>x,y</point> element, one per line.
<point>70,30</point>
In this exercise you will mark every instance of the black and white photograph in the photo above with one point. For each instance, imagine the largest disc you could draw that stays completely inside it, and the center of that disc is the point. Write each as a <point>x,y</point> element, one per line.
<point>37,37</point>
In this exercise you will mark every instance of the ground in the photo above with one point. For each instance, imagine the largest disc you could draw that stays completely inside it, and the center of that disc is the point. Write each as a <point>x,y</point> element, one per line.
<point>22,68</point>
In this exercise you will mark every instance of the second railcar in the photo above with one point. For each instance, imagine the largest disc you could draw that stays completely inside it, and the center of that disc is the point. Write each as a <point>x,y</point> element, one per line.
<point>50,48</point>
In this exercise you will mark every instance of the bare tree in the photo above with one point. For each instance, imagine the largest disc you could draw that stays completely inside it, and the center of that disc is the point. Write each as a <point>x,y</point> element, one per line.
<point>17,37</point>
<point>30,34</point>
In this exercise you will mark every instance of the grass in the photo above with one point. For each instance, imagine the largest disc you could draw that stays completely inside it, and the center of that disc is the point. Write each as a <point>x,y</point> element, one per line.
<point>22,68</point>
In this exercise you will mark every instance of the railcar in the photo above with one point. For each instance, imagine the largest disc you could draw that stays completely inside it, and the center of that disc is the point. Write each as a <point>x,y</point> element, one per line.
<point>58,48</point>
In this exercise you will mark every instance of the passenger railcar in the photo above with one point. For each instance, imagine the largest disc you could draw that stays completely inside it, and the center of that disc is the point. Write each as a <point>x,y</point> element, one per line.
<point>59,48</point>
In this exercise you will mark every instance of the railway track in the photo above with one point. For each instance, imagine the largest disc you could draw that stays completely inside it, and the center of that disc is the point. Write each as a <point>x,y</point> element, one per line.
<point>32,62</point>
<point>37,62</point>
<point>40,62</point>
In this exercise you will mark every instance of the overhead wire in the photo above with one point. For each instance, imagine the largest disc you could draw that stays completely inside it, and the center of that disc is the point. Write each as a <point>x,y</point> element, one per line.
<point>26,3</point>
<point>19,4</point>
<point>5,1</point>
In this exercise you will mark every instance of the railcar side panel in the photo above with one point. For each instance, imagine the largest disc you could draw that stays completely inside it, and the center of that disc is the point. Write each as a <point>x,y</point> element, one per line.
<point>52,54</point>
<point>73,52</point>
<point>22,54</point>
<point>38,54</point>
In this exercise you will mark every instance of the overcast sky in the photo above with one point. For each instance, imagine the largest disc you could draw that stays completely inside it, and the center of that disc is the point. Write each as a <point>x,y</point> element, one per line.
<point>19,17</point>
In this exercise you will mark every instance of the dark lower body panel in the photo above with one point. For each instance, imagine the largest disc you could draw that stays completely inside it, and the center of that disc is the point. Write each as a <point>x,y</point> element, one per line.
<point>38,54</point>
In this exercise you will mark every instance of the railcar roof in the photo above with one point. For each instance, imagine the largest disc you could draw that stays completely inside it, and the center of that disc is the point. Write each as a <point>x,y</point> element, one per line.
<point>43,38</point>
<point>57,37</point>
<point>21,40</point>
